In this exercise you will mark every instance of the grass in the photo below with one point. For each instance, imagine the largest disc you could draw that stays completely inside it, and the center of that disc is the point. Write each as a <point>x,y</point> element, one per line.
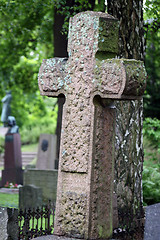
<point>151,154</point>
<point>30,148</point>
<point>9,200</point>
<point>12,200</point>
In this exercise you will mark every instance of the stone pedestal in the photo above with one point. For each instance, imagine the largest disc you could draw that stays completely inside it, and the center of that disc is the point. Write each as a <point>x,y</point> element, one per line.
<point>12,160</point>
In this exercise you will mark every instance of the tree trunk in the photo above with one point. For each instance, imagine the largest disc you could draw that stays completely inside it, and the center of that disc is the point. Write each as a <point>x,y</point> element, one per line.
<point>129,152</point>
<point>60,40</point>
<point>131,33</point>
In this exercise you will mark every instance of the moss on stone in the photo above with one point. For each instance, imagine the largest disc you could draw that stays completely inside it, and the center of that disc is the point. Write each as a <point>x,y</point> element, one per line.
<point>108,35</point>
<point>105,233</point>
<point>101,55</point>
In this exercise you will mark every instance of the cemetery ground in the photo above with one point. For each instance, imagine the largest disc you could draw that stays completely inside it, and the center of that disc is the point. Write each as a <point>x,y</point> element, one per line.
<point>151,175</point>
<point>151,161</point>
<point>12,199</point>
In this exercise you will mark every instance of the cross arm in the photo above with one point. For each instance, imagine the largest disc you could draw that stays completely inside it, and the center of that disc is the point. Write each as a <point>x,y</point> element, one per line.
<point>52,76</point>
<point>119,78</point>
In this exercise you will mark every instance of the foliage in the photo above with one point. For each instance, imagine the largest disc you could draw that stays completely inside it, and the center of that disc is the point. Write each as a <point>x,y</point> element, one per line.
<point>26,31</point>
<point>152,10</point>
<point>151,130</point>
<point>30,148</point>
<point>151,184</point>
<point>21,26</point>
<point>70,8</point>
<point>1,144</point>
<point>32,129</point>
<point>152,58</point>
<point>26,38</point>
<point>151,170</point>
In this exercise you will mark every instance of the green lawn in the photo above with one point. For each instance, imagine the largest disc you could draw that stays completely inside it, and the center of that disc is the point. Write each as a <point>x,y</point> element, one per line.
<point>30,148</point>
<point>9,200</point>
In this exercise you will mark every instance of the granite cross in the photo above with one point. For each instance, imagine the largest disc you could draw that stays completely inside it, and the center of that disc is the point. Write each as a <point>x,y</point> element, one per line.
<point>90,79</point>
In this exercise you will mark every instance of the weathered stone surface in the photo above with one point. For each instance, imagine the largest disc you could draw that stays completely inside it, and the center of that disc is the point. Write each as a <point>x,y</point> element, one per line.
<point>30,196</point>
<point>75,204</point>
<point>46,152</point>
<point>44,179</point>
<point>86,79</point>
<point>120,78</point>
<point>101,200</point>
<point>52,73</point>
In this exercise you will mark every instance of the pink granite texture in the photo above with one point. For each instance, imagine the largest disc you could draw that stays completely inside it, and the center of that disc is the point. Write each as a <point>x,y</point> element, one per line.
<point>90,80</point>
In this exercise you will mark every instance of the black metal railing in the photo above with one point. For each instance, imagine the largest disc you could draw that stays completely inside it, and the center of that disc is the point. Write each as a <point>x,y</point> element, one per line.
<point>36,222</point>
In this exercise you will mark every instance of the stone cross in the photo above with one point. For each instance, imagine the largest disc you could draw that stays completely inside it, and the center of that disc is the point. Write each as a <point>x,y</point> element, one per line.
<point>90,79</point>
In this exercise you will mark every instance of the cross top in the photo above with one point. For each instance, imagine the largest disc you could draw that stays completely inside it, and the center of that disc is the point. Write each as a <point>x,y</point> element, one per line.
<point>87,134</point>
<point>90,32</point>
<point>93,39</point>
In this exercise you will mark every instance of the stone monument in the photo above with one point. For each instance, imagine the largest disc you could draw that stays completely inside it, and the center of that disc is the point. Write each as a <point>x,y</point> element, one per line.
<point>30,196</point>
<point>6,109</point>
<point>44,175</point>
<point>12,158</point>
<point>46,152</point>
<point>91,79</point>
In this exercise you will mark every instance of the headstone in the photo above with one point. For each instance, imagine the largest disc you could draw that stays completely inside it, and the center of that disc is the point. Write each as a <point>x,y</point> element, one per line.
<point>12,172</point>
<point>45,179</point>
<point>46,152</point>
<point>90,81</point>
<point>30,196</point>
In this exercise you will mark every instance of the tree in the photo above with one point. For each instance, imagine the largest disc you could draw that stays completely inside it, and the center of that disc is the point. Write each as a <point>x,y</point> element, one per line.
<point>152,58</point>
<point>128,177</point>
<point>23,45</point>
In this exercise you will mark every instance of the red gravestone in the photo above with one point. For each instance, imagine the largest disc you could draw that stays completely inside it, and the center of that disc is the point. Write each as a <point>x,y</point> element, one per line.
<point>12,172</point>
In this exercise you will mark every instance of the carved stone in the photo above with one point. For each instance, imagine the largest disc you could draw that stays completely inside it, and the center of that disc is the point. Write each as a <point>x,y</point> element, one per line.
<point>90,81</point>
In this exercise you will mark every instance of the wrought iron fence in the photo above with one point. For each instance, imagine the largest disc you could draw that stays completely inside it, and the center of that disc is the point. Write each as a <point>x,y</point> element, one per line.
<point>36,222</point>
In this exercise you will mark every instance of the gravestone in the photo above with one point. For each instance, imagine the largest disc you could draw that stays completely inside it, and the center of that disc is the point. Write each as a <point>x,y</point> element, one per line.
<point>30,196</point>
<point>90,80</point>
<point>45,173</point>
<point>12,172</point>
<point>45,179</point>
<point>46,152</point>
